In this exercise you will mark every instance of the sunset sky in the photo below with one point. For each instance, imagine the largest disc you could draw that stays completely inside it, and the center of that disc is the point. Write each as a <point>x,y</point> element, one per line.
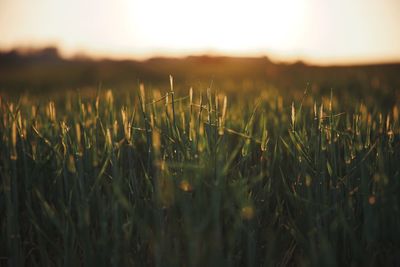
<point>324,32</point>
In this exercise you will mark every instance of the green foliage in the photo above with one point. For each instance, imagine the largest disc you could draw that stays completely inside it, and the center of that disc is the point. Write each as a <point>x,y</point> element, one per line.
<point>204,179</point>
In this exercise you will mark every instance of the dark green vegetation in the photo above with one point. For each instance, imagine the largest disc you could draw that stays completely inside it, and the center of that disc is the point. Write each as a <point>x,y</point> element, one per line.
<point>179,177</point>
<point>165,178</point>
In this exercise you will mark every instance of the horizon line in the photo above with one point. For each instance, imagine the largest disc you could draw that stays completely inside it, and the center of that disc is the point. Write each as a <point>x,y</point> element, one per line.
<point>276,58</point>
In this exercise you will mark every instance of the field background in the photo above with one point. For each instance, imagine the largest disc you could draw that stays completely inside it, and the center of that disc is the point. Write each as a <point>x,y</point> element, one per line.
<point>43,70</point>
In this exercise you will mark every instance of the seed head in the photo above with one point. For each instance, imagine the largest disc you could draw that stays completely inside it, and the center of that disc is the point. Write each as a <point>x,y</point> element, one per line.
<point>142,94</point>
<point>293,113</point>
<point>14,141</point>
<point>171,82</point>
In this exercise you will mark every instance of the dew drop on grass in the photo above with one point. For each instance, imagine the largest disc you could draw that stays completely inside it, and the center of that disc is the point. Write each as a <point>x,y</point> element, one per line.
<point>185,186</point>
<point>247,212</point>
<point>372,200</point>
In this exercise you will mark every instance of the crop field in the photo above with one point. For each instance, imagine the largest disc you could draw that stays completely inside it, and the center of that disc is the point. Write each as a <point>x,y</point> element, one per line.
<point>200,176</point>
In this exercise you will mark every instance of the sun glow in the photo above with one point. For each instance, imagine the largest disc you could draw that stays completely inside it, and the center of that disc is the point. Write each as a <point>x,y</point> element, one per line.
<point>320,31</point>
<point>221,26</point>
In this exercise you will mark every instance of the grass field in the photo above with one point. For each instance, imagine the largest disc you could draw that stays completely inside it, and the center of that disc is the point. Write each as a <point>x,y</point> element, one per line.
<point>199,177</point>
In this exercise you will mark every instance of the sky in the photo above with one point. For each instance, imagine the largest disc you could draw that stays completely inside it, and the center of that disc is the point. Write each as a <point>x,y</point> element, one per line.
<point>316,31</point>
